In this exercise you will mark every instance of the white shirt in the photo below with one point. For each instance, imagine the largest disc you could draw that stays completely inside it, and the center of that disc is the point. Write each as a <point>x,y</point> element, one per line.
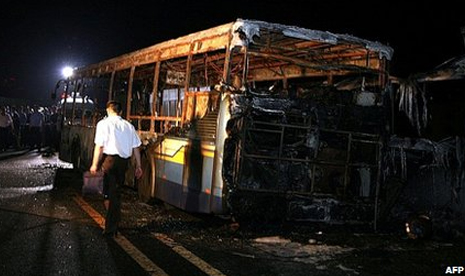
<point>116,136</point>
<point>5,120</point>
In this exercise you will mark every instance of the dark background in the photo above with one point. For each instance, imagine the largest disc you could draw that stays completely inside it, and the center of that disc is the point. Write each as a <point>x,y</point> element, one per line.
<point>39,38</point>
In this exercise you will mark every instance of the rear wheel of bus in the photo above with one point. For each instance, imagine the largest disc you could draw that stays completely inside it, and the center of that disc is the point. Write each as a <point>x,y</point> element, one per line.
<point>76,155</point>
<point>145,184</point>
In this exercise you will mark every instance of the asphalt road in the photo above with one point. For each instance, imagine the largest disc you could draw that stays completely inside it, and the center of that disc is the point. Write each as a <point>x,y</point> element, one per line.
<point>48,228</point>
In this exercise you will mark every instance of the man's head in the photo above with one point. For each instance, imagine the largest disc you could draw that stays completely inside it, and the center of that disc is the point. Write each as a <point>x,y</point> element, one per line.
<point>114,107</point>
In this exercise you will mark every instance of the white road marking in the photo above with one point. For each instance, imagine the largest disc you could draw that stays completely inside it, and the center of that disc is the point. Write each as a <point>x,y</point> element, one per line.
<point>189,256</point>
<point>135,253</point>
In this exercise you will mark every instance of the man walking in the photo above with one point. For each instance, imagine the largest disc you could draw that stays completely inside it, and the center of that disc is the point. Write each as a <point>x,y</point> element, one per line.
<point>115,142</point>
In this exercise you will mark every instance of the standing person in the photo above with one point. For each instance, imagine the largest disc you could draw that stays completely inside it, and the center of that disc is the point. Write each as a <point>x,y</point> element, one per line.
<point>6,124</point>
<point>36,123</point>
<point>55,138</point>
<point>115,142</point>
<point>22,126</point>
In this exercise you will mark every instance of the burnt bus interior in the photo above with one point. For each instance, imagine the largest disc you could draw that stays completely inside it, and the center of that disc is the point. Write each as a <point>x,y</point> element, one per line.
<point>306,130</point>
<point>308,114</point>
<point>425,156</point>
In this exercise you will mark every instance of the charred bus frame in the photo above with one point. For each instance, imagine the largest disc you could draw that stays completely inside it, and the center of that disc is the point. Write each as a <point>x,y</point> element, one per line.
<point>250,114</point>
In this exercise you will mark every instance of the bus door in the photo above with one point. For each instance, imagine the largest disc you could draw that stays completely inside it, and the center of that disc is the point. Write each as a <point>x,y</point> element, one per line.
<point>200,150</point>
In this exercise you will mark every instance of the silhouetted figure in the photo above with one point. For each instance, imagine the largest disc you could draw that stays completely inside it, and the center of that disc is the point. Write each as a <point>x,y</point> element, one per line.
<point>115,142</point>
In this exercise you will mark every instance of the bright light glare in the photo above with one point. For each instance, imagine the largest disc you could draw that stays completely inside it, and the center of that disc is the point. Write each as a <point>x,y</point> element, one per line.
<point>67,72</point>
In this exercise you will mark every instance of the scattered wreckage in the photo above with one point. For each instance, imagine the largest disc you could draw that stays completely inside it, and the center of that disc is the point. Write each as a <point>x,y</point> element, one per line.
<point>425,165</point>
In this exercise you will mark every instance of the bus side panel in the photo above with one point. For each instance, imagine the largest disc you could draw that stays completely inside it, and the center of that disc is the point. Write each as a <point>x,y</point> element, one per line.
<point>169,166</point>
<point>169,182</point>
<point>207,182</point>
<point>87,146</point>
<point>218,202</point>
<point>197,182</point>
<point>65,145</point>
<point>214,190</point>
<point>77,141</point>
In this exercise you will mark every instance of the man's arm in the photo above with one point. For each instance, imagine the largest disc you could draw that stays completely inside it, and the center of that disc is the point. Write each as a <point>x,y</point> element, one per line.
<point>138,172</point>
<point>98,152</point>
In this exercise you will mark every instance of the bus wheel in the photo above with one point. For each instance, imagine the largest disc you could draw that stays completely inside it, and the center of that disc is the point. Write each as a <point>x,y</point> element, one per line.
<point>76,156</point>
<point>145,184</point>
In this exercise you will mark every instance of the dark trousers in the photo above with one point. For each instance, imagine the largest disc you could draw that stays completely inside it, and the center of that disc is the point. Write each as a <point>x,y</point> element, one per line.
<point>114,168</point>
<point>4,132</point>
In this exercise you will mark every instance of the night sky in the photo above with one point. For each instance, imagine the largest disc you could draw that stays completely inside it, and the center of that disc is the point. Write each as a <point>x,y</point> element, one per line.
<point>38,38</point>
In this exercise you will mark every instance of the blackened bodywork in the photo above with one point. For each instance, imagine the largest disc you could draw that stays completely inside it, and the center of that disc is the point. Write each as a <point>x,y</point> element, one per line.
<point>308,126</point>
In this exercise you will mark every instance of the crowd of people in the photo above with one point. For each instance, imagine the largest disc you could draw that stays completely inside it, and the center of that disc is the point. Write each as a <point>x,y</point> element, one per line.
<point>29,127</point>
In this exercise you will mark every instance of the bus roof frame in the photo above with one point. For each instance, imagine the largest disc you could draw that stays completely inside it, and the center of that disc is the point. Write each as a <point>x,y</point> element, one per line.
<point>234,34</point>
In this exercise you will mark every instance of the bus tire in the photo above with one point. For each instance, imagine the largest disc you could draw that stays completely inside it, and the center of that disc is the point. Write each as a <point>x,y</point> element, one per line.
<point>146,182</point>
<point>76,155</point>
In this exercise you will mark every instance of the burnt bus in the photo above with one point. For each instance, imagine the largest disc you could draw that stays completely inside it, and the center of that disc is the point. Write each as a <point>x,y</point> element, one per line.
<point>252,118</point>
